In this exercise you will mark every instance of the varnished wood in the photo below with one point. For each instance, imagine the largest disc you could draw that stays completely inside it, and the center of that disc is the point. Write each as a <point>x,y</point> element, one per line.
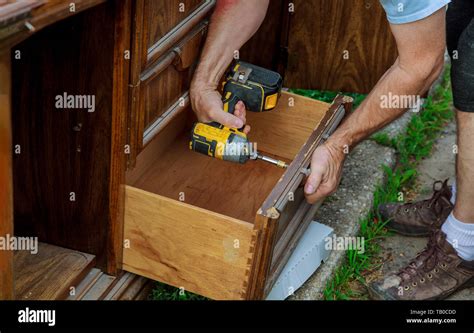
<point>265,48</point>
<point>320,33</point>
<point>284,247</point>
<point>119,150</point>
<point>284,130</point>
<point>165,24</point>
<point>67,150</point>
<point>213,262</point>
<point>171,75</point>
<point>162,36</point>
<point>6,189</point>
<point>50,273</point>
<point>135,138</point>
<point>168,116</point>
<point>47,14</point>
<point>265,227</point>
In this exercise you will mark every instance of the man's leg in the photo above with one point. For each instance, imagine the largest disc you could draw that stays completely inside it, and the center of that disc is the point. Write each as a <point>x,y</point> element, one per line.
<point>423,217</point>
<point>464,202</point>
<point>447,263</point>
<point>459,227</point>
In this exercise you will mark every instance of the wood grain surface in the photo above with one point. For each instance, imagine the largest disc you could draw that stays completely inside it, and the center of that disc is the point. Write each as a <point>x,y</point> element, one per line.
<point>48,274</point>
<point>162,16</point>
<point>6,187</point>
<point>65,150</point>
<point>47,14</point>
<point>284,130</point>
<point>185,246</point>
<point>223,187</point>
<point>119,124</point>
<point>322,32</point>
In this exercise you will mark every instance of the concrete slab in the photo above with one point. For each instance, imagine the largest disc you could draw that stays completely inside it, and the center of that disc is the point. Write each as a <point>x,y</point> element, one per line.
<point>342,211</point>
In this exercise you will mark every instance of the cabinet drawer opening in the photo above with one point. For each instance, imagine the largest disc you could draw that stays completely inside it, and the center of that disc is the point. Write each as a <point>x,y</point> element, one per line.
<point>167,167</point>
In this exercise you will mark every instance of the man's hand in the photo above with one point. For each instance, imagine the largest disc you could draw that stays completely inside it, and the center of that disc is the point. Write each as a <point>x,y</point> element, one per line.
<point>207,104</point>
<point>326,169</point>
<point>232,24</point>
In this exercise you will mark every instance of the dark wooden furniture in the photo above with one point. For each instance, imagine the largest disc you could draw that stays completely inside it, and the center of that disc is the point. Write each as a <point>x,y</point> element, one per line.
<point>116,190</point>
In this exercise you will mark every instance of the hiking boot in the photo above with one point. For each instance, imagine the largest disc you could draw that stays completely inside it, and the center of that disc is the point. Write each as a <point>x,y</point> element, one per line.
<point>419,218</point>
<point>435,273</point>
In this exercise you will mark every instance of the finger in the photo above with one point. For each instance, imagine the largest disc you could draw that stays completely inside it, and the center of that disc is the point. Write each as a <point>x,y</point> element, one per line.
<point>313,182</point>
<point>247,129</point>
<point>226,119</point>
<point>319,195</point>
<point>239,111</point>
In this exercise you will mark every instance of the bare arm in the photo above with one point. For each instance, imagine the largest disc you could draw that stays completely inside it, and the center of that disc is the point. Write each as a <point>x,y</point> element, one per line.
<point>232,24</point>
<point>421,47</point>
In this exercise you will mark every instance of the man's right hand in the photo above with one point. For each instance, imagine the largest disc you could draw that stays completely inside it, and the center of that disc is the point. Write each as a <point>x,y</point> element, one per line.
<point>207,104</point>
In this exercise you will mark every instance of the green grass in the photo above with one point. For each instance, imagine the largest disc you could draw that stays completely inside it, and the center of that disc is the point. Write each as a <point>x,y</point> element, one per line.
<point>164,292</point>
<point>328,96</point>
<point>411,147</point>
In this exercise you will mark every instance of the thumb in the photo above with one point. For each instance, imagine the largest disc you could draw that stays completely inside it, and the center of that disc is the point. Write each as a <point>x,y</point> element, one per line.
<point>227,119</point>
<point>313,182</point>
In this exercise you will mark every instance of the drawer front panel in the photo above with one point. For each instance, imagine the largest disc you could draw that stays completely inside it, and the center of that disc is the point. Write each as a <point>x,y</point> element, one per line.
<point>167,22</point>
<point>185,246</point>
<point>163,85</point>
<point>162,92</point>
<point>160,17</point>
<point>289,199</point>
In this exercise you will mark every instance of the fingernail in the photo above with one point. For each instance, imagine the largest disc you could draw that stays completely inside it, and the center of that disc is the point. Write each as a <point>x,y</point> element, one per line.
<point>309,189</point>
<point>239,123</point>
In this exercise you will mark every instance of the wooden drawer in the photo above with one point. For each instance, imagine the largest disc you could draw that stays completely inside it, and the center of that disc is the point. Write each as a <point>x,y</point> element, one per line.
<point>215,228</point>
<point>161,24</point>
<point>164,84</point>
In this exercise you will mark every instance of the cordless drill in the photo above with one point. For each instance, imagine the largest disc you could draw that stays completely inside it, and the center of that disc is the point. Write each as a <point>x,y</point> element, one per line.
<point>259,89</point>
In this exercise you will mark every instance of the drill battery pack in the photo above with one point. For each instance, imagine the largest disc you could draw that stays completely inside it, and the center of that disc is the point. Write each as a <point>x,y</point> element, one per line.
<point>257,87</point>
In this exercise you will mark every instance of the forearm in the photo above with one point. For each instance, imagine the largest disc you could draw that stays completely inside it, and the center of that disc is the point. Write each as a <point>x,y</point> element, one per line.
<point>232,24</point>
<point>372,114</point>
<point>421,46</point>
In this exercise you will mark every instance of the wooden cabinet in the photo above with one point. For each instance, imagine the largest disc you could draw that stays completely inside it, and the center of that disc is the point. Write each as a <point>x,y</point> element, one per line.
<point>120,187</point>
<point>220,229</point>
<point>167,39</point>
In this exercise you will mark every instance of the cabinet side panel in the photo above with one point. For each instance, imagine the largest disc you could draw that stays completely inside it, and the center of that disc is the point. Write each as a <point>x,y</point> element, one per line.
<point>62,120</point>
<point>6,187</point>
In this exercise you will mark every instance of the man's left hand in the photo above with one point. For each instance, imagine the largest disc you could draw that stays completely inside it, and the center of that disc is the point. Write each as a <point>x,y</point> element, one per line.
<point>326,169</point>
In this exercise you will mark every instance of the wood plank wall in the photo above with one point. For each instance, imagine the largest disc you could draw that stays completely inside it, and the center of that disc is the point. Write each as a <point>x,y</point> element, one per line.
<point>337,45</point>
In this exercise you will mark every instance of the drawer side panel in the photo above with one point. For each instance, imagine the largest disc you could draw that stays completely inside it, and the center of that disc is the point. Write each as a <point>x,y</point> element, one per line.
<point>185,246</point>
